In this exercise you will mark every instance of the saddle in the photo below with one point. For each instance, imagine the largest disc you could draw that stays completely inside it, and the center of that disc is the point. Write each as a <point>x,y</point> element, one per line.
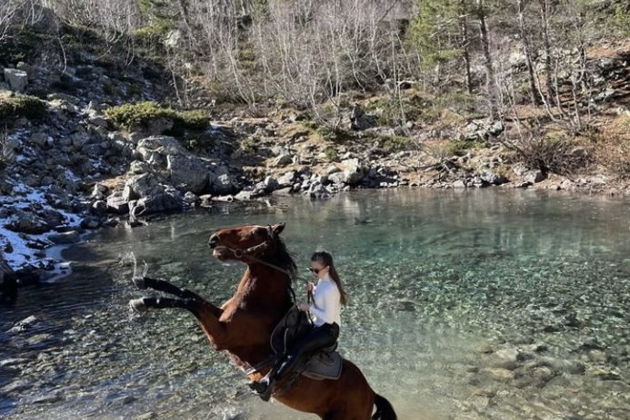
<point>325,364</point>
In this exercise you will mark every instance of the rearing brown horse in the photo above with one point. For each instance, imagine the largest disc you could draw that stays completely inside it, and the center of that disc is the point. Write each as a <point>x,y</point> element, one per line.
<point>243,325</point>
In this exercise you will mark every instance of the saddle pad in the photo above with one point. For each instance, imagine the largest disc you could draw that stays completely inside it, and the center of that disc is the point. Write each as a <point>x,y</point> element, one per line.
<point>324,365</point>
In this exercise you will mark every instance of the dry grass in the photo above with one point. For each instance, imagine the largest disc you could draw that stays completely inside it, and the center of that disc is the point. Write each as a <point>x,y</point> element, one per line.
<point>612,146</point>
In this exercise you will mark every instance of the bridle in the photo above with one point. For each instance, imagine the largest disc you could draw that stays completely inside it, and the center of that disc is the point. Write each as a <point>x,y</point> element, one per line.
<point>253,253</point>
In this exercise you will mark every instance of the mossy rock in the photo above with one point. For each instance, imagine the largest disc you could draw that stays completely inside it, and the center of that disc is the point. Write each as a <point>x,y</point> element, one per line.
<point>461,147</point>
<point>22,106</point>
<point>139,115</point>
<point>392,144</point>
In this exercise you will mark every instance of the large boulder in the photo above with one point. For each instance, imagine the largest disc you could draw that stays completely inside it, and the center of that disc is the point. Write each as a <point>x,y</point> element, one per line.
<point>16,79</point>
<point>140,186</point>
<point>154,150</point>
<point>187,172</point>
<point>352,173</point>
<point>165,201</point>
<point>116,203</point>
<point>27,222</point>
<point>223,185</point>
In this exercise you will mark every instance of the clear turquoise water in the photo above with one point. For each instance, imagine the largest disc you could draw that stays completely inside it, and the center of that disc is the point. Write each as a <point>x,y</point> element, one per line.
<point>435,279</point>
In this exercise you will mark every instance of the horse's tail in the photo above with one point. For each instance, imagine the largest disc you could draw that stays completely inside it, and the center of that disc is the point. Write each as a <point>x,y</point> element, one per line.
<point>384,409</point>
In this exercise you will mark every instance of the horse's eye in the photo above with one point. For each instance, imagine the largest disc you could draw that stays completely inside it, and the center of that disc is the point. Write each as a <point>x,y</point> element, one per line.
<point>260,231</point>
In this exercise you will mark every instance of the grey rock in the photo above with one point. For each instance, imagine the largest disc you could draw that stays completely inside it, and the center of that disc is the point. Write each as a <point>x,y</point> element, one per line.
<point>191,198</point>
<point>282,191</point>
<point>534,176</point>
<point>222,185</point>
<point>99,191</point>
<point>359,120</point>
<point>64,237</point>
<point>165,201</point>
<point>90,223</point>
<point>492,178</point>
<point>162,145</point>
<point>23,325</point>
<point>205,200</point>
<point>138,167</point>
<point>92,150</point>
<point>287,179</point>
<point>270,184</point>
<point>16,79</point>
<point>116,203</point>
<point>140,186</point>
<point>459,184</point>
<point>282,160</point>
<point>189,172</point>
<point>244,196</point>
<point>482,129</point>
<point>27,222</point>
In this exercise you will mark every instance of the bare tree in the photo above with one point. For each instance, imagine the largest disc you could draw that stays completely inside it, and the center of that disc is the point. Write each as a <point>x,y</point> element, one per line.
<point>8,12</point>
<point>491,84</point>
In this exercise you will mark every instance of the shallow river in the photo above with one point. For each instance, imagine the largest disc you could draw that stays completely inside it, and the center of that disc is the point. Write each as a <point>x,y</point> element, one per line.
<point>463,305</point>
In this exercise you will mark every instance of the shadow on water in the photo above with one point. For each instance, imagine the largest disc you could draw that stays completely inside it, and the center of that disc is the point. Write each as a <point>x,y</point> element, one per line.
<point>433,277</point>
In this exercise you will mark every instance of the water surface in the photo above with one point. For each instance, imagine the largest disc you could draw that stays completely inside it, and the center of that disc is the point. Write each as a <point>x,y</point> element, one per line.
<point>440,284</point>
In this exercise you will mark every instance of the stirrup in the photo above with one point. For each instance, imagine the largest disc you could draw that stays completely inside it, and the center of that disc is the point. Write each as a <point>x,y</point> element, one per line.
<point>263,390</point>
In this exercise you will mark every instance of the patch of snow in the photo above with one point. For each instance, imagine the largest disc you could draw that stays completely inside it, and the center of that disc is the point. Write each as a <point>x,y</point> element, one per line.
<point>23,197</point>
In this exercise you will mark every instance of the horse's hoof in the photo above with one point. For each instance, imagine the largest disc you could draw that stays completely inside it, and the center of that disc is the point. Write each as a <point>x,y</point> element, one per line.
<point>138,305</point>
<point>140,283</point>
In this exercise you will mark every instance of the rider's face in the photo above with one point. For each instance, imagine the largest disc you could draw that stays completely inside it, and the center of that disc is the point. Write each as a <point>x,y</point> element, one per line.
<point>318,269</point>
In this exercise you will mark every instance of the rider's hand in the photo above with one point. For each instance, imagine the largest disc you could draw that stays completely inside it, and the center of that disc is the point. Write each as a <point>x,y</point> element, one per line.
<point>303,306</point>
<point>310,287</point>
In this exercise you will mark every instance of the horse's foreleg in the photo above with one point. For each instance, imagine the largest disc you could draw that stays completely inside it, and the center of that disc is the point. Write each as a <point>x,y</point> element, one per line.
<point>206,313</point>
<point>164,286</point>
<point>145,303</point>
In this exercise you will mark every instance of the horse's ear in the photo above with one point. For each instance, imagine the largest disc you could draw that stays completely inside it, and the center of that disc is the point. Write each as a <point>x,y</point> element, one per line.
<point>277,228</point>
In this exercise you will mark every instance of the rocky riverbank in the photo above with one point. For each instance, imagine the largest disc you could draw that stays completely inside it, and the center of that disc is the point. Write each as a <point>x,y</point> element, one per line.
<point>90,146</point>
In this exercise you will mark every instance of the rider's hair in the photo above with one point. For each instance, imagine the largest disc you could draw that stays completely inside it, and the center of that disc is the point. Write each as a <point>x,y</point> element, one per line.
<point>326,259</point>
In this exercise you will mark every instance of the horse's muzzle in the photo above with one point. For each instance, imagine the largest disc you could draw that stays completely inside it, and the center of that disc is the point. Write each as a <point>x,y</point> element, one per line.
<point>213,242</point>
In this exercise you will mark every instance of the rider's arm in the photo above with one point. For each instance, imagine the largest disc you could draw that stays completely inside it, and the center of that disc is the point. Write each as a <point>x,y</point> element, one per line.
<point>327,312</point>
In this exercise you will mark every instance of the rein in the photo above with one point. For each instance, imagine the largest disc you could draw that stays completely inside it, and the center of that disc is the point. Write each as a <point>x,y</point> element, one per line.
<point>250,254</point>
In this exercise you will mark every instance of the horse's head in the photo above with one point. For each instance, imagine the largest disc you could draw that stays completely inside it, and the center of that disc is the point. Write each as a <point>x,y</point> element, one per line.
<point>239,243</point>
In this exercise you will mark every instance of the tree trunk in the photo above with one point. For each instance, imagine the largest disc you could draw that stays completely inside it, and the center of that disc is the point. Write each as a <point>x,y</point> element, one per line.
<point>544,15</point>
<point>491,83</point>
<point>528,53</point>
<point>463,25</point>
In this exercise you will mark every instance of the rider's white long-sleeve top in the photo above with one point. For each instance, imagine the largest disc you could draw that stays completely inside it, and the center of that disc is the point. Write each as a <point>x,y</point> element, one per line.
<point>327,307</point>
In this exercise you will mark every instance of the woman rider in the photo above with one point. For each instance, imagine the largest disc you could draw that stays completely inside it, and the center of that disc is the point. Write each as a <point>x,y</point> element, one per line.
<point>328,295</point>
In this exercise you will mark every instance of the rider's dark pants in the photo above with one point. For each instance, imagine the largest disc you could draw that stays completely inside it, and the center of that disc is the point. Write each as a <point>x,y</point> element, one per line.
<point>317,339</point>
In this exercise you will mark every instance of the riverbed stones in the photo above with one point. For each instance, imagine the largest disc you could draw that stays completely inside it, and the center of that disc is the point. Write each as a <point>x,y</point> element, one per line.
<point>498,374</point>
<point>23,325</point>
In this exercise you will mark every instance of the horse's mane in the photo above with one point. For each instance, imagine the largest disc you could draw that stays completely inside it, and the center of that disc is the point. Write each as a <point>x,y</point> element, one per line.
<point>283,259</point>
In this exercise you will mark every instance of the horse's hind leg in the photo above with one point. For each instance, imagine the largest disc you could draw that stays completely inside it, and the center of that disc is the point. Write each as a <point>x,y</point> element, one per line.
<point>166,287</point>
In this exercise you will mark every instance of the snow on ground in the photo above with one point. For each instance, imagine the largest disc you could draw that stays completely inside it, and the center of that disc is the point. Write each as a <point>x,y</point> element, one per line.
<point>22,255</point>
